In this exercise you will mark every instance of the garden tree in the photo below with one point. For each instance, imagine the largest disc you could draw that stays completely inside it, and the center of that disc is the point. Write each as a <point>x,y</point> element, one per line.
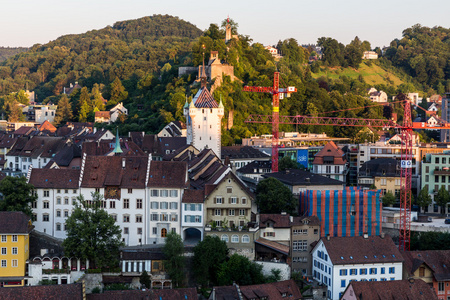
<point>16,114</point>
<point>117,93</point>
<point>365,46</point>
<point>241,270</point>
<point>174,264</point>
<point>273,197</point>
<point>21,97</point>
<point>234,25</point>
<point>92,233</point>
<point>64,111</point>
<point>209,254</point>
<point>332,51</point>
<point>442,198</point>
<point>214,32</point>
<point>424,198</point>
<point>144,279</point>
<point>388,199</point>
<point>17,195</point>
<point>287,163</point>
<point>430,240</point>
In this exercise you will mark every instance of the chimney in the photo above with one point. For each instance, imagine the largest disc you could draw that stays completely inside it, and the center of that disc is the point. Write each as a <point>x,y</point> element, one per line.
<point>328,237</point>
<point>123,163</point>
<point>382,235</point>
<point>283,213</point>
<point>366,235</point>
<point>308,179</point>
<point>291,219</point>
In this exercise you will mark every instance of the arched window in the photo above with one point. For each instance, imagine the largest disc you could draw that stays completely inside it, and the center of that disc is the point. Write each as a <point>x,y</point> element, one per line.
<point>163,232</point>
<point>245,238</point>
<point>225,238</point>
<point>235,238</point>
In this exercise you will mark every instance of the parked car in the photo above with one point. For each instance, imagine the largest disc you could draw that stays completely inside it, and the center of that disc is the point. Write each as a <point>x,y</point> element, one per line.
<point>447,221</point>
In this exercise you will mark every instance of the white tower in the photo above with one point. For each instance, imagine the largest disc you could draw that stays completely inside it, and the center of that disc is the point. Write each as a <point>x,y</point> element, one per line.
<point>203,118</point>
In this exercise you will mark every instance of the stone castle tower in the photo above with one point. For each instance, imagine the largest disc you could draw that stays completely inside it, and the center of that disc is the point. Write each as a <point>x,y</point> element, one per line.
<point>203,120</point>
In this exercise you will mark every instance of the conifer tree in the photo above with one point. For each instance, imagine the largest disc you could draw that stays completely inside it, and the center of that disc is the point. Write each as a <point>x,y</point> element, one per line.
<point>117,93</point>
<point>64,111</point>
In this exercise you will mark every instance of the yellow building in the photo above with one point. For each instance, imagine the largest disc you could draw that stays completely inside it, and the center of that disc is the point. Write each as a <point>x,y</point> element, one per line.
<point>15,228</point>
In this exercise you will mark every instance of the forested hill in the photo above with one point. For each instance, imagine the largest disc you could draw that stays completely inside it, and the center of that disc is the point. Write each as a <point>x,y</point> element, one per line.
<point>99,56</point>
<point>7,52</point>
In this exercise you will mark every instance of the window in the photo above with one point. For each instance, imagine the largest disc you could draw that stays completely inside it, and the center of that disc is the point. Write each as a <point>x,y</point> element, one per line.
<point>231,212</point>
<point>45,217</point>
<point>421,271</point>
<point>66,201</point>
<point>163,217</point>
<point>441,286</point>
<point>362,271</point>
<point>233,200</point>
<point>316,231</point>
<point>139,230</point>
<point>130,191</point>
<point>66,213</point>
<point>173,217</point>
<point>353,271</point>
<point>164,205</point>
<point>14,263</point>
<point>126,203</point>
<point>154,205</point>
<point>244,201</point>
<point>126,218</point>
<point>229,189</point>
<point>391,270</point>
<point>343,283</point>
<point>112,204</point>
<point>66,191</point>
<point>155,193</point>
<point>125,230</point>
<point>235,238</point>
<point>46,193</point>
<point>154,230</point>
<point>245,238</point>
<point>74,191</point>
<point>373,271</point>
<point>58,201</point>
<point>383,181</point>
<point>3,238</point>
<point>242,212</point>
<point>164,193</point>
<point>343,272</point>
<point>97,190</point>
<point>174,205</point>
<point>224,238</point>
<point>4,263</point>
<point>219,200</point>
<point>217,212</point>
<point>173,193</point>
<point>4,251</point>
<point>138,219</point>
<point>58,191</point>
<point>58,213</point>
<point>155,218</point>
<point>382,270</point>
<point>139,203</point>
<point>58,227</point>
<point>46,204</point>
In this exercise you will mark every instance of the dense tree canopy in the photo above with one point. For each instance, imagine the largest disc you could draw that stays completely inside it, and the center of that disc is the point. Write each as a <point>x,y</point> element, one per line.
<point>209,255</point>
<point>273,197</point>
<point>174,263</point>
<point>17,195</point>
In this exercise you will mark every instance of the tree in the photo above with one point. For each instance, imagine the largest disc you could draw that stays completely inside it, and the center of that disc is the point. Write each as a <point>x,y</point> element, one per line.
<point>241,270</point>
<point>430,240</point>
<point>209,254</point>
<point>388,199</point>
<point>287,163</point>
<point>273,197</point>
<point>144,279</point>
<point>174,263</point>
<point>233,24</point>
<point>17,195</point>
<point>424,198</point>
<point>442,198</point>
<point>84,111</point>
<point>92,233</point>
<point>64,111</point>
<point>117,92</point>
<point>16,114</point>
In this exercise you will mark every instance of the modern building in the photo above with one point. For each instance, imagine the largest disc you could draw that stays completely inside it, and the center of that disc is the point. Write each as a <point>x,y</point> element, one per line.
<point>435,175</point>
<point>15,228</point>
<point>344,213</point>
<point>337,261</point>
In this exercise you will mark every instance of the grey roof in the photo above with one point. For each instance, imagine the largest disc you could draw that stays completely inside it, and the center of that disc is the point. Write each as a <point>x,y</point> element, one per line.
<point>299,177</point>
<point>387,167</point>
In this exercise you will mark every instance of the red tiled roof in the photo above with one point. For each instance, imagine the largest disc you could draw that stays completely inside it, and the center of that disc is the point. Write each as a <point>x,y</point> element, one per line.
<point>24,130</point>
<point>204,99</point>
<point>151,294</point>
<point>280,290</point>
<point>416,289</point>
<point>193,196</point>
<point>330,149</point>
<point>46,126</point>
<point>14,222</point>
<point>44,292</point>
<point>169,174</point>
<point>279,220</point>
<point>102,114</point>
<point>358,250</point>
<point>55,178</point>
<point>437,260</point>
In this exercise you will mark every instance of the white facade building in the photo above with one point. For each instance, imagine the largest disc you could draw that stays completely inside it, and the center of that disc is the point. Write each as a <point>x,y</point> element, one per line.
<point>203,117</point>
<point>337,261</point>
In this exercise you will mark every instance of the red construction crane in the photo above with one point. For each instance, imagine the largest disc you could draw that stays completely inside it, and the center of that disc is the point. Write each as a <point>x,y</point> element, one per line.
<point>406,150</point>
<point>277,93</point>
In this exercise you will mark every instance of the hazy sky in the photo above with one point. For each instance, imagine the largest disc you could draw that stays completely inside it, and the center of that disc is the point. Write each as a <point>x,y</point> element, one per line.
<point>27,22</point>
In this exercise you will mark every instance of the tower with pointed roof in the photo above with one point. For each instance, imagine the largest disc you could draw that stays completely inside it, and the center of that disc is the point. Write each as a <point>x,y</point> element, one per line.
<point>203,120</point>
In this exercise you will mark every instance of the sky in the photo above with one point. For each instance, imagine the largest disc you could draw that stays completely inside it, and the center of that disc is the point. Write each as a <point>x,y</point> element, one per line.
<point>27,22</point>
